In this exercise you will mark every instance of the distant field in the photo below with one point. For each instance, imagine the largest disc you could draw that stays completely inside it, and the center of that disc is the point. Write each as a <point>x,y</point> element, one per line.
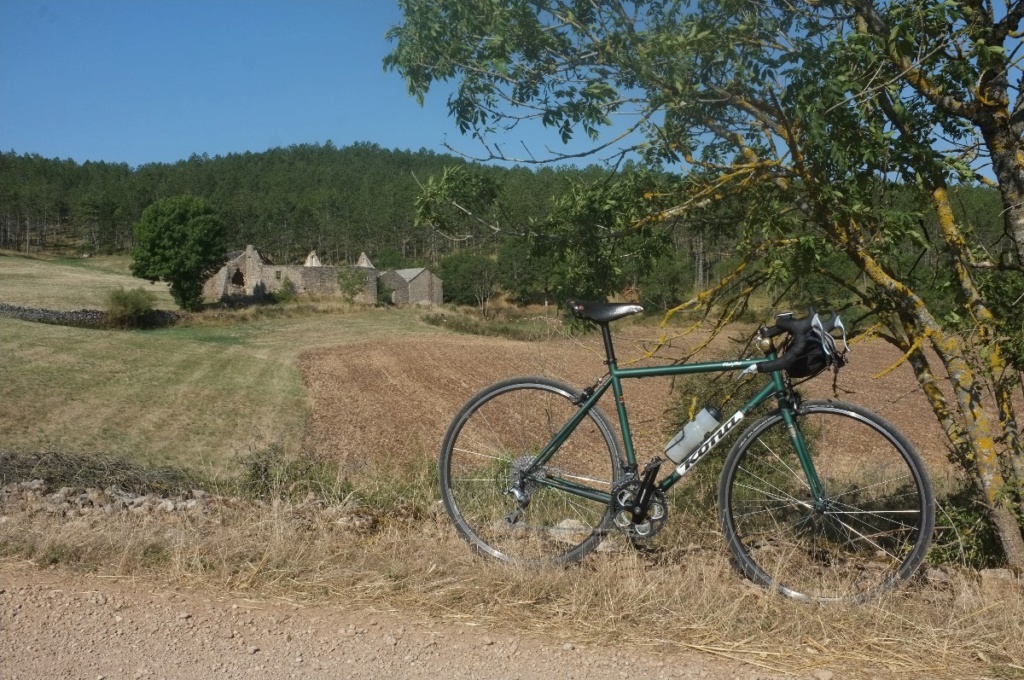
<point>70,283</point>
<point>191,395</point>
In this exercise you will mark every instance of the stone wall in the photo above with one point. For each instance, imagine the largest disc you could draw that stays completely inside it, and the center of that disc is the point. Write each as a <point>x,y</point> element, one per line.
<point>83,318</point>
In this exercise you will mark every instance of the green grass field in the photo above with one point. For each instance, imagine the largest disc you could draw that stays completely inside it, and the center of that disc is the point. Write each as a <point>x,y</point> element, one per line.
<point>70,283</point>
<point>194,395</point>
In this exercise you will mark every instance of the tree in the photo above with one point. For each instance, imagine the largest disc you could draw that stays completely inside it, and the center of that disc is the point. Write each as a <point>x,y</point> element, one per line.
<point>180,240</point>
<point>469,279</point>
<point>818,117</point>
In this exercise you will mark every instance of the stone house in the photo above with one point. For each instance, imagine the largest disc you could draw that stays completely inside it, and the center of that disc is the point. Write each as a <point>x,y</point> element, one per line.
<point>249,274</point>
<point>413,286</point>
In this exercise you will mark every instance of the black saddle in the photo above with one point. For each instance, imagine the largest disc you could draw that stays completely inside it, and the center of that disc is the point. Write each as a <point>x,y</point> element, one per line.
<point>603,312</point>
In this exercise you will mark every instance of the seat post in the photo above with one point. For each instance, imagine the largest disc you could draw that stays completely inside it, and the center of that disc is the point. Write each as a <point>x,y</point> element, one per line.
<point>606,335</point>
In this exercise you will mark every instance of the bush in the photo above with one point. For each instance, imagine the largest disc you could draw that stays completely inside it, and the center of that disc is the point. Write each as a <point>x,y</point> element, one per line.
<point>527,329</point>
<point>351,282</point>
<point>384,293</point>
<point>269,473</point>
<point>129,308</point>
<point>964,533</point>
<point>286,293</point>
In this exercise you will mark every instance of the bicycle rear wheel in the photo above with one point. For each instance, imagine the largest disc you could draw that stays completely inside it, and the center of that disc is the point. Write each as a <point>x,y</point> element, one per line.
<point>869,532</point>
<point>487,448</point>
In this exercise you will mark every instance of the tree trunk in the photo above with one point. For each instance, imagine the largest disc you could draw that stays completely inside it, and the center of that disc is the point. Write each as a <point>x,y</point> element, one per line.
<point>976,434</point>
<point>1005,149</point>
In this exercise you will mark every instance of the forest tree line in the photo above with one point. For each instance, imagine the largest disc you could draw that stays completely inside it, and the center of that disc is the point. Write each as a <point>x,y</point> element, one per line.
<point>364,198</point>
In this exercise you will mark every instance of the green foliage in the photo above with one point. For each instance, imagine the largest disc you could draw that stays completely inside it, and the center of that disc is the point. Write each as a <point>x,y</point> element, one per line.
<point>351,282</point>
<point>286,293</point>
<point>268,472</point>
<point>129,308</point>
<point>668,283</point>
<point>344,200</point>
<point>469,279</point>
<point>179,240</point>
<point>502,325</point>
<point>388,258</point>
<point>525,275</point>
<point>964,534</point>
<point>459,204</point>
<point>600,230</point>
<point>384,293</point>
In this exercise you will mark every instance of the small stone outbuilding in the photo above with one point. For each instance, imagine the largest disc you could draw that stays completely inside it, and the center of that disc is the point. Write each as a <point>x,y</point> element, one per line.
<point>413,286</point>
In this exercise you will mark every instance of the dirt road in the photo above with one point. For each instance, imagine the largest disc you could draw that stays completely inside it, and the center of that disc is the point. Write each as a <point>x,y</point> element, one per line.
<point>55,624</point>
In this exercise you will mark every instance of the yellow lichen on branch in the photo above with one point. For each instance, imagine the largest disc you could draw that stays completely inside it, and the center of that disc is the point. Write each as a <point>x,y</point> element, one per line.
<point>900,361</point>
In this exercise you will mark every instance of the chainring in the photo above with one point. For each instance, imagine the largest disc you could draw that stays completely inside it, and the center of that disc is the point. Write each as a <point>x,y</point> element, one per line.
<point>623,497</point>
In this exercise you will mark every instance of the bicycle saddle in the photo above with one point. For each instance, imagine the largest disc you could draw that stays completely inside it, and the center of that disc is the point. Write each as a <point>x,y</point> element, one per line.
<point>603,312</point>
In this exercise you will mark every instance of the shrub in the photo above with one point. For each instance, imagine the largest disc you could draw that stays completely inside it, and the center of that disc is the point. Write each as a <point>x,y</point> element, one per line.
<point>269,473</point>
<point>964,533</point>
<point>129,308</point>
<point>287,292</point>
<point>351,283</point>
<point>384,292</point>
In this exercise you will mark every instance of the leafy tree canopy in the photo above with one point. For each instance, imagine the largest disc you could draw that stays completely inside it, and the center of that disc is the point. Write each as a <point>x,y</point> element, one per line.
<point>806,122</point>
<point>180,240</point>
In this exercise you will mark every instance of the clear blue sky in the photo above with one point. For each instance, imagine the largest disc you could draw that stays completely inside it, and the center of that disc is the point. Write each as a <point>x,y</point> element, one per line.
<point>140,81</point>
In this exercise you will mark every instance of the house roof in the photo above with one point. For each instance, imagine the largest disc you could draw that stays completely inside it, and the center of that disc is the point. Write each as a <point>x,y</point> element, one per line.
<point>410,274</point>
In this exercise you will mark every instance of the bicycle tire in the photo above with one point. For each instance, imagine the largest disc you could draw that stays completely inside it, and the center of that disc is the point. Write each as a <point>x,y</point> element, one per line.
<point>870,532</point>
<point>495,436</point>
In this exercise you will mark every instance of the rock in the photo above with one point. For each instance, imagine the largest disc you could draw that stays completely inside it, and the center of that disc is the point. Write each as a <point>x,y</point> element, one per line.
<point>823,674</point>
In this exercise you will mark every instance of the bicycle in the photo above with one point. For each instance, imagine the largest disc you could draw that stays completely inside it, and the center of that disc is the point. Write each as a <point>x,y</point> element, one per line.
<point>817,500</point>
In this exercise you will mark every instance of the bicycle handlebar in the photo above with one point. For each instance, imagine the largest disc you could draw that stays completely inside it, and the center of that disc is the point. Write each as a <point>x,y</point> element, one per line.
<point>799,329</point>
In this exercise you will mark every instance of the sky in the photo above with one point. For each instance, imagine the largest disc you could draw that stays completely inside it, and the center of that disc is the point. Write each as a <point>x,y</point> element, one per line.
<point>143,81</point>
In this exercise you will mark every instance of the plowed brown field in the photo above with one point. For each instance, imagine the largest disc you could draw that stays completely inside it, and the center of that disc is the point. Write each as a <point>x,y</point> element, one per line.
<point>384,403</point>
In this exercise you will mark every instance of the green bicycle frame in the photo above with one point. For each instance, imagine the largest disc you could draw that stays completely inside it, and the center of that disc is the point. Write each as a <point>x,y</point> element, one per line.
<point>776,387</point>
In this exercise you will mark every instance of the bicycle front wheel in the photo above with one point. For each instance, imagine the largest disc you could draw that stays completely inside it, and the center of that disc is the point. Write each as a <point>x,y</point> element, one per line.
<point>870,527</point>
<point>491,444</point>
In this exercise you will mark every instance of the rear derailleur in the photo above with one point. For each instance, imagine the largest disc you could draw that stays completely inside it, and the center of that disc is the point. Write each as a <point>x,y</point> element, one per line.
<point>639,507</point>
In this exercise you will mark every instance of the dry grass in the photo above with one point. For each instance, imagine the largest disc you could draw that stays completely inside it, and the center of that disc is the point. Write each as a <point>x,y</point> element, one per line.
<point>406,556</point>
<point>193,396</point>
<point>70,283</point>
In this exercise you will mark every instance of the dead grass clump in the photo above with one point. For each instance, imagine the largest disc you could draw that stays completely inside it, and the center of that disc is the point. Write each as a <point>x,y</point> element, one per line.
<point>60,468</point>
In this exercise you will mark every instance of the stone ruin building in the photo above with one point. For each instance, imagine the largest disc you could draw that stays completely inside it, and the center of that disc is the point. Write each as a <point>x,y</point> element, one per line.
<point>249,274</point>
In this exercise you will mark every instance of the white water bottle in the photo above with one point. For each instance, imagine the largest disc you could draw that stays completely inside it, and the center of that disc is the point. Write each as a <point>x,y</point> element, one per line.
<point>693,434</point>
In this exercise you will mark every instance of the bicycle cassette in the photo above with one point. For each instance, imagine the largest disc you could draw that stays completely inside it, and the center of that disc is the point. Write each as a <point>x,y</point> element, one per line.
<point>624,500</point>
